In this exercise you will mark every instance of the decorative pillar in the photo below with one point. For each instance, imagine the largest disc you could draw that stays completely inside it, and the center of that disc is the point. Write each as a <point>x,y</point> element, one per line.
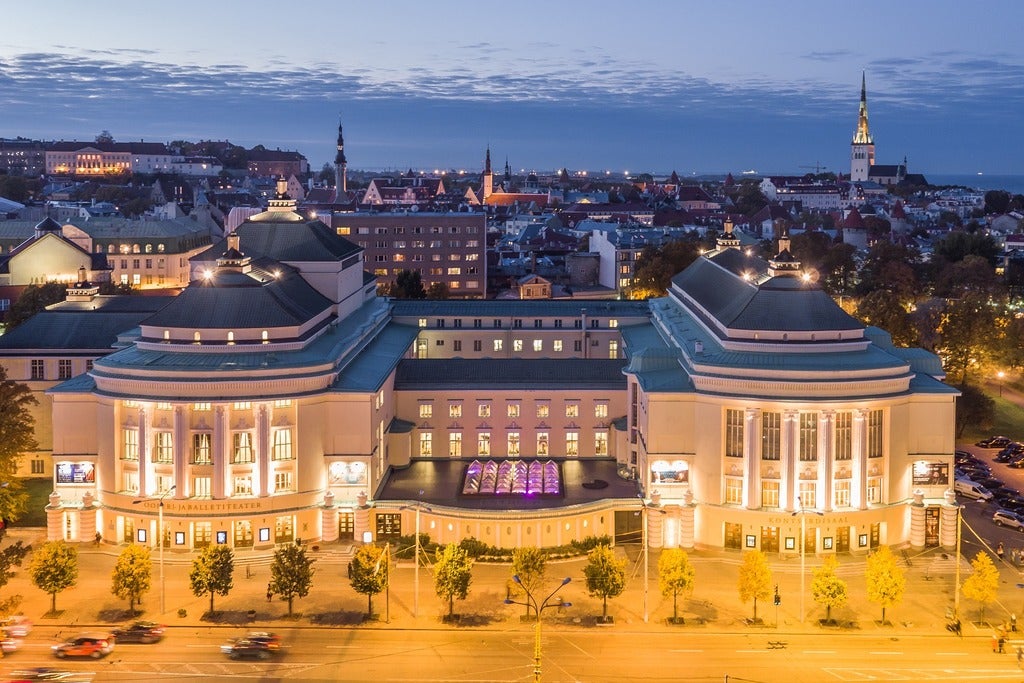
<point>362,516</point>
<point>859,485</point>
<point>826,423</point>
<point>917,525</point>
<point>655,528</point>
<point>220,451</point>
<point>87,519</point>
<point>144,459</point>
<point>947,528</point>
<point>687,527</point>
<point>181,453</point>
<point>789,477</point>
<point>329,519</point>
<point>751,459</point>
<point>54,518</point>
<point>263,449</point>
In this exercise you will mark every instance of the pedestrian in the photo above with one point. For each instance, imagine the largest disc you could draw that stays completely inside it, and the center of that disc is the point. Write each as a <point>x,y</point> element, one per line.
<point>999,550</point>
<point>1013,623</point>
<point>1002,642</point>
<point>1020,655</point>
<point>270,593</point>
<point>995,642</point>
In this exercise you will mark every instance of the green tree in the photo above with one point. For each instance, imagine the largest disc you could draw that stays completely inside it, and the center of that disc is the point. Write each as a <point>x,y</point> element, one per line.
<point>407,285</point>
<point>883,308</point>
<point>885,580</point>
<point>54,568</point>
<point>11,556</point>
<point>605,575</point>
<point>827,589</point>
<point>997,201</point>
<point>755,580</point>
<point>369,573</point>
<point>453,571</point>
<point>983,584</point>
<point>966,342</point>
<point>530,565</point>
<point>133,574</point>
<point>105,137</point>
<point>438,291</point>
<point>675,575</point>
<point>973,407</point>
<point>212,572</point>
<point>33,299</point>
<point>291,573</point>
<point>17,437</point>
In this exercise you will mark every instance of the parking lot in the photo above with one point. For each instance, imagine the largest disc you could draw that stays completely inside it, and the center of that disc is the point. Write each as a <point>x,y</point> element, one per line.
<point>999,519</point>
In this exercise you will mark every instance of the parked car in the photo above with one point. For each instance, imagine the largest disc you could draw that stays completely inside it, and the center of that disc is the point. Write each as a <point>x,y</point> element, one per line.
<point>18,625</point>
<point>1005,456</point>
<point>93,645</point>
<point>993,442</point>
<point>1004,493</point>
<point>969,489</point>
<point>140,632</point>
<point>989,482</point>
<point>1015,504</point>
<point>241,648</point>
<point>1008,519</point>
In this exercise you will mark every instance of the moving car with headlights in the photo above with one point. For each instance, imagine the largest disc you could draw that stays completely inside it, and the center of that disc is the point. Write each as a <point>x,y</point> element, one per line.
<point>41,673</point>
<point>139,632</point>
<point>242,648</point>
<point>93,645</point>
<point>17,626</point>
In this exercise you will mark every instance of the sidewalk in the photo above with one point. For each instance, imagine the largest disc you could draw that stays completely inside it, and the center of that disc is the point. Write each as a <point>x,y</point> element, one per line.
<point>713,608</point>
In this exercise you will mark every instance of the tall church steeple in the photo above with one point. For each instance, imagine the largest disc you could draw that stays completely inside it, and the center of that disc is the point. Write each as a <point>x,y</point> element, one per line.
<point>488,180</point>
<point>340,166</point>
<point>862,149</point>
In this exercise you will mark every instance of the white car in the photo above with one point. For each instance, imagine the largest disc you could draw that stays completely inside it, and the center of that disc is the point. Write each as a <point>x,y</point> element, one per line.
<point>1007,518</point>
<point>17,626</point>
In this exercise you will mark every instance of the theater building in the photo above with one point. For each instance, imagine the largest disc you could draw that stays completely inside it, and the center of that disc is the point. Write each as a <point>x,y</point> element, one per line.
<point>279,398</point>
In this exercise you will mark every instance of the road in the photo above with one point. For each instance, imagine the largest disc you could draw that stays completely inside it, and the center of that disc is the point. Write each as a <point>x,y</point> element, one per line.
<point>570,656</point>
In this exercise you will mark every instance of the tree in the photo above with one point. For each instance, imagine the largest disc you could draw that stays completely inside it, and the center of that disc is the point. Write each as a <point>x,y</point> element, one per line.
<point>438,291</point>
<point>885,580</point>
<point>827,589</point>
<point>212,572</point>
<point>17,437</point>
<point>883,308</point>
<point>982,585</point>
<point>755,580</point>
<point>973,407</point>
<point>530,565</point>
<point>54,568</point>
<point>453,571</point>
<point>104,137</point>
<point>966,340</point>
<point>369,573</point>
<point>33,299</point>
<point>997,201</point>
<point>133,574</point>
<point>605,575</point>
<point>675,575</point>
<point>291,573</point>
<point>11,556</point>
<point>407,285</point>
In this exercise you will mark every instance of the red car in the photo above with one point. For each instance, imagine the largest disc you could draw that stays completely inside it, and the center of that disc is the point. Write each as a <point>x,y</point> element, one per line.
<point>93,645</point>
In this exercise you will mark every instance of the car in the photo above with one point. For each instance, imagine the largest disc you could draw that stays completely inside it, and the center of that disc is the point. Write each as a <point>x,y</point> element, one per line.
<point>1015,504</point>
<point>989,482</point>
<point>272,640</point>
<point>140,632</point>
<point>1017,463</point>
<point>1008,519</point>
<point>240,648</point>
<point>1005,493</point>
<point>17,626</point>
<point>39,673</point>
<point>93,645</point>
<point>1004,456</point>
<point>993,442</point>
<point>9,644</point>
<point>974,472</point>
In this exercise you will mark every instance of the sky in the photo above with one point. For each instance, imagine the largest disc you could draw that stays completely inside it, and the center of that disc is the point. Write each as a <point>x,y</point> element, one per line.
<point>696,87</point>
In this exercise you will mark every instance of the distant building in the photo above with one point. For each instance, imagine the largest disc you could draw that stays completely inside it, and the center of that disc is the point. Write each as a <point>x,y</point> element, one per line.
<point>22,157</point>
<point>97,159</point>
<point>277,163</point>
<point>534,286</point>
<point>862,149</point>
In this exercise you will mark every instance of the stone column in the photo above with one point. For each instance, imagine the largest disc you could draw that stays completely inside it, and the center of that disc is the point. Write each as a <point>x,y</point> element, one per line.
<point>917,525</point>
<point>789,475</point>
<point>826,423</point>
<point>87,519</point>
<point>859,485</point>
<point>947,530</point>
<point>220,453</point>
<point>54,518</point>
<point>687,525</point>
<point>751,457</point>
<point>263,449</point>
<point>181,453</point>
<point>329,519</point>
<point>362,517</point>
<point>144,451</point>
<point>655,528</point>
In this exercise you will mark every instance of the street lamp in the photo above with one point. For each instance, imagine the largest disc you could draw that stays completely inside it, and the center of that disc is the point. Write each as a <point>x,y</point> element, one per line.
<point>417,506</point>
<point>1001,376</point>
<point>644,508</point>
<point>385,556</point>
<point>537,608</point>
<point>956,582</point>
<point>803,548</point>
<point>160,541</point>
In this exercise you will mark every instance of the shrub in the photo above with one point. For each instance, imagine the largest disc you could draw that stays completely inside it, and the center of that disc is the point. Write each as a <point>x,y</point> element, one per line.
<point>588,543</point>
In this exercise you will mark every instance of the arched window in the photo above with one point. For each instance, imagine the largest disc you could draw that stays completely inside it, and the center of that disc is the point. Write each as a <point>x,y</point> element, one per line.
<point>265,337</point>
<point>196,338</point>
<point>231,337</point>
<point>149,248</point>
<point>160,248</point>
<point>135,249</point>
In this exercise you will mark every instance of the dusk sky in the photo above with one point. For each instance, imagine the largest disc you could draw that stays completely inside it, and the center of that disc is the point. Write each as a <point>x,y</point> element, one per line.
<point>699,87</point>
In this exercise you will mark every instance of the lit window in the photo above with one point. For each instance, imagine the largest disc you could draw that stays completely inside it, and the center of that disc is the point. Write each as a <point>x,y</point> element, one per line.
<point>601,443</point>
<point>542,443</point>
<point>513,444</point>
<point>163,406</point>
<point>543,409</point>
<point>538,345</point>
<point>286,403</point>
<point>283,482</point>
<point>201,407</point>
<point>243,405</point>
<point>243,486</point>
<point>808,494</point>
<point>613,323</point>
<point>557,344</point>
<point>483,410</point>
<point>841,493</point>
<point>241,443</point>
<point>769,493</point>
<point>497,344</point>
<point>454,410</point>
<point>483,443</point>
<point>201,449</point>
<point>517,344</point>
<point>164,447</point>
<point>601,410</point>
<point>572,409</point>
<point>455,444</point>
<point>422,322</point>
<point>426,444</point>
<point>513,410</point>
<point>572,443</point>
<point>282,447</point>
<point>130,443</point>
<point>426,410</point>
<point>734,490</point>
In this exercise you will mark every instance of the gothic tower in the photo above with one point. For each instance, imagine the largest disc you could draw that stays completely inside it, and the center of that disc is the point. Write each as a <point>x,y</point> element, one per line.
<point>862,149</point>
<point>488,181</point>
<point>340,168</point>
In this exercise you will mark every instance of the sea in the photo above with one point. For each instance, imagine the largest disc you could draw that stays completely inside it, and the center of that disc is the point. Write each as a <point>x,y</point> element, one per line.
<point>1014,184</point>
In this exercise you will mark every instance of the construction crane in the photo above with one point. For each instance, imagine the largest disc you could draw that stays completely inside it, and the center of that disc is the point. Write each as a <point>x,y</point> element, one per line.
<point>818,168</point>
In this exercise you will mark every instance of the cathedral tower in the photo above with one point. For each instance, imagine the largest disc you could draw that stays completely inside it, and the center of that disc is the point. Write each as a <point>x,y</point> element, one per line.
<point>488,180</point>
<point>340,168</point>
<point>862,149</point>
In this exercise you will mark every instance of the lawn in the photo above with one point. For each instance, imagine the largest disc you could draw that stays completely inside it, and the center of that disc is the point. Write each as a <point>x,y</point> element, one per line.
<point>38,497</point>
<point>1008,421</point>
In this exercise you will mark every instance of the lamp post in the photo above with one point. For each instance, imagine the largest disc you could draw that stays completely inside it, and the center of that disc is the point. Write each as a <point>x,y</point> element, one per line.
<point>802,512</point>
<point>417,506</point>
<point>1001,375</point>
<point>160,542</point>
<point>385,557</point>
<point>537,608</point>
<point>956,581</point>
<point>644,508</point>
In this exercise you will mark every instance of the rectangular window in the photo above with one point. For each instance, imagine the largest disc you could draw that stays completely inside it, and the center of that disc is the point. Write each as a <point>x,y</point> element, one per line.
<point>572,409</point>
<point>282,445</point>
<point>37,466</point>
<point>844,436</point>
<point>808,436</point>
<point>557,344</point>
<point>64,368</point>
<point>601,443</point>
<point>601,410</point>
<point>769,493</point>
<point>513,444</point>
<point>283,482</point>
<point>808,495</point>
<point>241,447</point>
<point>243,405</point>
<point>483,409</point>
<point>201,487</point>
<point>454,410</point>
<point>38,369</point>
<point>613,349</point>
<point>130,442</point>
<point>457,345</point>
<point>426,444</point>
<point>285,403</point>
<point>130,481</point>
<point>202,453</point>
<point>577,345</point>
<point>875,434</point>
<point>572,443</point>
<point>543,410</point>
<point>478,345</point>
<point>483,443</point>
<point>163,405</point>
<point>243,486</point>
<point>426,410</point>
<point>771,436</point>
<point>497,344</point>
<point>542,443</point>
<point>841,493</point>
<point>734,433</point>
<point>517,345</point>
<point>538,345</point>
<point>477,323</point>
<point>455,444</point>
<point>164,447</point>
<point>874,489</point>
<point>200,407</point>
<point>512,410</point>
<point>734,490</point>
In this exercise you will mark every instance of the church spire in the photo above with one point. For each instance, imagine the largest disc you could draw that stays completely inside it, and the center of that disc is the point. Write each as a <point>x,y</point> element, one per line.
<point>862,149</point>
<point>340,166</point>
<point>863,134</point>
<point>487,186</point>
<point>487,160</point>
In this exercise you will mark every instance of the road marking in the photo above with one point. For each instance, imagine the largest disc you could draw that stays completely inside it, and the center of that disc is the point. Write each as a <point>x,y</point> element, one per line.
<point>819,652</point>
<point>342,647</point>
<point>952,654</point>
<point>686,650</point>
<point>751,651</point>
<point>888,652</point>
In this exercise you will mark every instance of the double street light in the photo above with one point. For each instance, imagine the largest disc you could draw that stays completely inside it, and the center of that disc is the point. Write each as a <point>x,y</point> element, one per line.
<point>417,506</point>
<point>531,601</point>
<point>802,512</point>
<point>644,509</point>
<point>160,541</point>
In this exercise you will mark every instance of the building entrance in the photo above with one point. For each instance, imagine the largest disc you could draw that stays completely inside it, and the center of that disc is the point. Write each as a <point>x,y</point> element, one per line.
<point>770,539</point>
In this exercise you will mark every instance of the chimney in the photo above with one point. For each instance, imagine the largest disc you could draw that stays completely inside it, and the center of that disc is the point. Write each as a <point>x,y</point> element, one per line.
<point>698,347</point>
